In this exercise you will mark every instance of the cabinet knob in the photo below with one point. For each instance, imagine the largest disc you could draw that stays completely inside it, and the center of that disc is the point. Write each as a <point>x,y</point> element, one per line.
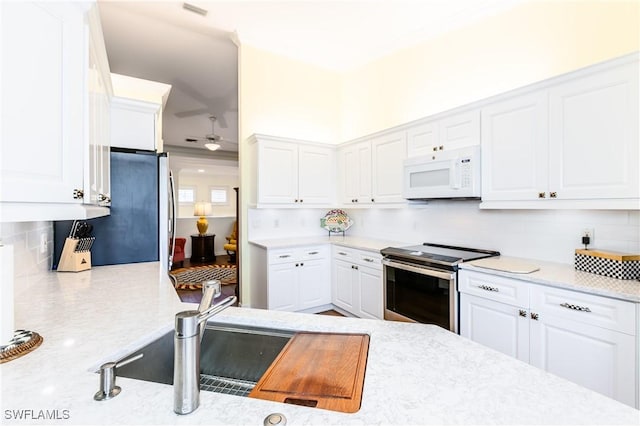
<point>534,316</point>
<point>435,148</point>
<point>296,200</point>
<point>355,267</point>
<point>553,194</point>
<point>373,200</point>
<point>301,263</point>
<point>522,313</point>
<point>542,194</point>
<point>301,200</point>
<point>78,194</point>
<point>297,265</point>
<point>441,147</point>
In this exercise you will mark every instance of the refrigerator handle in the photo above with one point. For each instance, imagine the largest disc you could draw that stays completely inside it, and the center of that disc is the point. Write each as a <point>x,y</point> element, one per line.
<point>172,218</point>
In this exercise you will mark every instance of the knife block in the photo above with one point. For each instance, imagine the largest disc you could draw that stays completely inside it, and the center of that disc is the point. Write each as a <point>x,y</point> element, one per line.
<point>72,260</point>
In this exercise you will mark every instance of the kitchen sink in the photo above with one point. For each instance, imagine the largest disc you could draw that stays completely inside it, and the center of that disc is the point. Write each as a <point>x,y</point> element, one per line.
<point>232,357</point>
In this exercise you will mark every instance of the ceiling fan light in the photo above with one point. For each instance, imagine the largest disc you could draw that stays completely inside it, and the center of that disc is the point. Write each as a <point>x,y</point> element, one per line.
<point>211,146</point>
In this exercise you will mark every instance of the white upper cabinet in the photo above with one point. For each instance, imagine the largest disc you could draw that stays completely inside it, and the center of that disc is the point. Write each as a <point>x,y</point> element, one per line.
<point>354,162</point>
<point>42,102</point>
<point>133,123</point>
<point>388,153</point>
<point>568,143</point>
<point>370,172</point>
<point>449,132</point>
<point>515,148</point>
<point>292,173</point>
<point>593,136</point>
<point>54,91</point>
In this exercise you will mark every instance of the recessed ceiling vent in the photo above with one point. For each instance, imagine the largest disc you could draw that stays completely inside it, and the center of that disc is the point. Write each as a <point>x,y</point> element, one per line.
<point>194,9</point>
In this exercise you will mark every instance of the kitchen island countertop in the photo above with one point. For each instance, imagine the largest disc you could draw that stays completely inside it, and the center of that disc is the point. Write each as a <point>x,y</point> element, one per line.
<point>415,374</point>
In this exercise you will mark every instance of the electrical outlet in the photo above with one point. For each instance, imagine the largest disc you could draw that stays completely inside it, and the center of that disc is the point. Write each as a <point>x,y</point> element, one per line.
<point>588,232</point>
<point>43,243</point>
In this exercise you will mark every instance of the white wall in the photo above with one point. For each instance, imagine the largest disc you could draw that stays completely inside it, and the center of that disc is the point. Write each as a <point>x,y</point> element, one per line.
<point>29,263</point>
<point>550,235</point>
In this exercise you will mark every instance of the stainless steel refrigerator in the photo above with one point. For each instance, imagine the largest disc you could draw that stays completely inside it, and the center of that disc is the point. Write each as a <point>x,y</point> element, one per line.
<point>141,225</point>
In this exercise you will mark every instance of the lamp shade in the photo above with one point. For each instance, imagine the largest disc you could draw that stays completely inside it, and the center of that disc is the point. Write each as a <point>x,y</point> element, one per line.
<point>202,209</point>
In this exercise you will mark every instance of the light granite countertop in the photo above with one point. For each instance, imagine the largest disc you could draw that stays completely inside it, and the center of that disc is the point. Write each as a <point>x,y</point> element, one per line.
<point>566,276</point>
<point>361,243</point>
<point>416,373</point>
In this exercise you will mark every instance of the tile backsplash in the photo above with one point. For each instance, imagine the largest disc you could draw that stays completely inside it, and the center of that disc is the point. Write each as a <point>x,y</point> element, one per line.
<point>25,237</point>
<point>550,235</point>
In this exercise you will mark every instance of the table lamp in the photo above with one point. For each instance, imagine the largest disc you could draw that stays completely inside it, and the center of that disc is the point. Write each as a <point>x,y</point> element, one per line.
<point>202,210</point>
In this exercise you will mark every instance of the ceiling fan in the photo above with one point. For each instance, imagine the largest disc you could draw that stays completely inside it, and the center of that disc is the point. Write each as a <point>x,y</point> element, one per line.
<point>212,138</point>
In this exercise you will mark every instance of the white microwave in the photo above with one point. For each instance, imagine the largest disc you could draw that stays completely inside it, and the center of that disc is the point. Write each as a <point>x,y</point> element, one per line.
<point>444,174</point>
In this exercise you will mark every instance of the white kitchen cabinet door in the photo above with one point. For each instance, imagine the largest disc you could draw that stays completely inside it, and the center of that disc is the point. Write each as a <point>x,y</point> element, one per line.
<point>597,358</point>
<point>496,325</point>
<point>314,277</point>
<point>422,139</point>
<point>460,130</point>
<point>278,172</point>
<point>515,148</point>
<point>593,135</point>
<point>388,154</point>
<point>356,173</point>
<point>370,292</point>
<point>315,174</point>
<point>41,92</point>
<point>344,292</point>
<point>97,173</point>
<point>283,287</point>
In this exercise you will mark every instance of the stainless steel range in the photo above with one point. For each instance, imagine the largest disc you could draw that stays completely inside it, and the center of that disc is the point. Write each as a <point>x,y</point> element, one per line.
<point>421,282</point>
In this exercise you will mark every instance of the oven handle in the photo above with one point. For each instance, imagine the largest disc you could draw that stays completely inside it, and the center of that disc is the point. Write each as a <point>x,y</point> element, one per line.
<point>418,270</point>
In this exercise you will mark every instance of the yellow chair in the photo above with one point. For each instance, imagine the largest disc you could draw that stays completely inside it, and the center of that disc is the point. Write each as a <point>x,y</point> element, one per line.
<point>232,240</point>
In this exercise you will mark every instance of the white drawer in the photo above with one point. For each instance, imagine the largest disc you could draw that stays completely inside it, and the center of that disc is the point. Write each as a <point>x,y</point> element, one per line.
<point>314,252</point>
<point>612,314</point>
<point>368,258</point>
<point>282,256</point>
<point>492,287</point>
<point>298,253</point>
<point>344,253</point>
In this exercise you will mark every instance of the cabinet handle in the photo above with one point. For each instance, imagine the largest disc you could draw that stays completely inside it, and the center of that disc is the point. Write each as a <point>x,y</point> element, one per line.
<point>284,256</point>
<point>542,194</point>
<point>367,259</point>
<point>311,253</point>
<point>78,194</point>
<point>522,313</point>
<point>534,316</point>
<point>341,253</point>
<point>553,194</point>
<point>575,307</point>
<point>488,288</point>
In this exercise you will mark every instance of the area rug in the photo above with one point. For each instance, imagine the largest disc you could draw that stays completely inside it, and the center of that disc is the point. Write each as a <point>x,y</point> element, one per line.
<point>192,278</point>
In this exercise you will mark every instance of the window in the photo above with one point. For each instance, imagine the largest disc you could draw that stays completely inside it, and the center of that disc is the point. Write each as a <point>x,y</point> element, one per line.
<point>219,195</point>
<point>186,194</point>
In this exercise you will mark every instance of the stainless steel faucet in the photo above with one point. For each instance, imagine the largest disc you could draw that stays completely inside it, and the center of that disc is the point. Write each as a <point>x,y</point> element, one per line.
<point>188,334</point>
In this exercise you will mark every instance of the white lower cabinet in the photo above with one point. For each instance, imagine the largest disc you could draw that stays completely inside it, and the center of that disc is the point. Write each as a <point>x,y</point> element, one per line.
<point>296,279</point>
<point>587,339</point>
<point>357,282</point>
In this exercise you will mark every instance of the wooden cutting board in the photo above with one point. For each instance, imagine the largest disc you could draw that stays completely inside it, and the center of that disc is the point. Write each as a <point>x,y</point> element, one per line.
<point>323,370</point>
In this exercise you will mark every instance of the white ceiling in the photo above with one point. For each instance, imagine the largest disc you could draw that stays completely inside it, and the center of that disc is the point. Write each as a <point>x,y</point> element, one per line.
<point>161,41</point>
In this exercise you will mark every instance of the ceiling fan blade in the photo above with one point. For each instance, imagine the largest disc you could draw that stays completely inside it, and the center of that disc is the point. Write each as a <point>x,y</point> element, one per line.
<point>192,113</point>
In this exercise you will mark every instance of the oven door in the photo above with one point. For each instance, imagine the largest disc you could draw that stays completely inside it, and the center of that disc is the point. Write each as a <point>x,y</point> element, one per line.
<point>419,294</point>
